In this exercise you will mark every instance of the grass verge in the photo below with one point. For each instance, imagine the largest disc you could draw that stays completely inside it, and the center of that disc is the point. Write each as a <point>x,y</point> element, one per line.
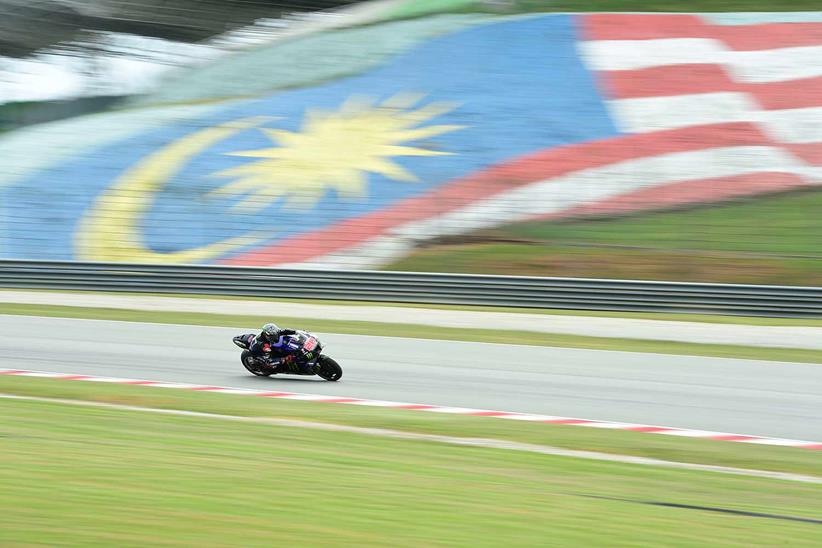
<point>714,243</point>
<point>83,477</point>
<point>761,457</point>
<point>425,332</point>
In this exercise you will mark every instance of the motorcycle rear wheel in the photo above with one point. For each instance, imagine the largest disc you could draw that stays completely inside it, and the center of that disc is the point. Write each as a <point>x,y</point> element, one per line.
<point>247,360</point>
<point>329,369</point>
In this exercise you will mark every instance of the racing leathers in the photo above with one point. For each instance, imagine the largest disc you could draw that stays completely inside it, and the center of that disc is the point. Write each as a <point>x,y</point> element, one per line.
<point>272,345</point>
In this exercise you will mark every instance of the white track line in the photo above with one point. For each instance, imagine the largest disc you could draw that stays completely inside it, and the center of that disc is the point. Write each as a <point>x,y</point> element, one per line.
<point>451,440</point>
<point>547,419</point>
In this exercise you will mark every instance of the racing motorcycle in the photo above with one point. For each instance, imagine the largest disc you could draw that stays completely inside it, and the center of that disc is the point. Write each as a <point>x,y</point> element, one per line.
<point>305,358</point>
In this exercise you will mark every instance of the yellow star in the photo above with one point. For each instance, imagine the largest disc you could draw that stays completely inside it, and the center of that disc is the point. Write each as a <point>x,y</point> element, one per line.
<point>335,150</point>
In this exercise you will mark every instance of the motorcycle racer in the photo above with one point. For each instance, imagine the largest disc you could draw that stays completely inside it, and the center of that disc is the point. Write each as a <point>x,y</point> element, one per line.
<point>286,351</point>
<point>272,342</point>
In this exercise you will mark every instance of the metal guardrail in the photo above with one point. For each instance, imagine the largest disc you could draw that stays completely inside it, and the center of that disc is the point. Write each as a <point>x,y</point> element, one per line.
<point>412,287</point>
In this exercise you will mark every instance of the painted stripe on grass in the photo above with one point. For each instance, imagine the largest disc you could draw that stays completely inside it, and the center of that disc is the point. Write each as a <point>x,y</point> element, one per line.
<point>570,421</point>
<point>451,440</point>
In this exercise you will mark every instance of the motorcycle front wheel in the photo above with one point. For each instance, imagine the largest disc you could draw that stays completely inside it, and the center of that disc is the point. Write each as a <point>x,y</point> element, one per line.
<point>329,369</point>
<point>247,361</point>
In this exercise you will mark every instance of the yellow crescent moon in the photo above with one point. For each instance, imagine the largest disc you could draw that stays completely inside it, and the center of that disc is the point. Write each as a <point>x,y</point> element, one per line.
<point>110,231</point>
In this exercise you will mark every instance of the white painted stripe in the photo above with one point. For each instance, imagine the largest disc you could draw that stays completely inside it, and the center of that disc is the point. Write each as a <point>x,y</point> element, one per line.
<point>454,410</point>
<point>176,385</point>
<point>378,403</point>
<point>778,441</point>
<point>531,418</point>
<point>757,18</point>
<point>692,433</point>
<point>796,125</point>
<point>774,65</point>
<point>308,397</point>
<point>241,391</point>
<point>453,440</point>
<point>112,380</point>
<point>639,54</point>
<point>612,425</point>
<point>646,114</point>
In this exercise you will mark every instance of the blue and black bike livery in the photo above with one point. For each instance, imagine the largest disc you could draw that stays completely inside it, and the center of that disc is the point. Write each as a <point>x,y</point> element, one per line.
<point>305,357</point>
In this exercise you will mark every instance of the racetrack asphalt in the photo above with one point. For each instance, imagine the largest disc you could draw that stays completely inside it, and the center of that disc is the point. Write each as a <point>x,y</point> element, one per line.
<point>762,398</point>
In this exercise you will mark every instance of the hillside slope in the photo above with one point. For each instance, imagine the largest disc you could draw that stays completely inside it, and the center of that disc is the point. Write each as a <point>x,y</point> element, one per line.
<point>381,138</point>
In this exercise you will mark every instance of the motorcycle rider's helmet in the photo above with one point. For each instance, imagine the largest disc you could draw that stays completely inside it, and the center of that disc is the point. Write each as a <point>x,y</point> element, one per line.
<point>271,331</point>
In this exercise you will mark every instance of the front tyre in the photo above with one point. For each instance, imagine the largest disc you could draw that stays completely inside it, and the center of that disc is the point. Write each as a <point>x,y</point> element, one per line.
<point>329,369</point>
<point>248,362</point>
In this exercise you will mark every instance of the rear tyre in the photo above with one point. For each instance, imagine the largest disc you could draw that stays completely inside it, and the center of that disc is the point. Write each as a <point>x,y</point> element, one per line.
<point>329,369</point>
<point>248,362</point>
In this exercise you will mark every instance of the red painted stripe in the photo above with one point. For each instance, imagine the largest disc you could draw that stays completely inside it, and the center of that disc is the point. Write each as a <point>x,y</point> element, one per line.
<point>499,179</point>
<point>687,193</point>
<point>673,80</point>
<point>814,446</point>
<point>811,153</point>
<point>140,383</point>
<point>416,406</point>
<point>635,26</point>
<point>275,394</point>
<point>802,93</point>
<point>12,372</point>
<point>666,81</point>
<point>75,377</point>
<point>490,414</point>
<point>768,36</point>
<point>206,388</point>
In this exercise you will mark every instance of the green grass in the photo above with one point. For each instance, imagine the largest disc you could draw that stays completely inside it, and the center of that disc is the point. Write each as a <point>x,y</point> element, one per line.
<point>794,222</point>
<point>672,317</point>
<point>100,477</point>
<point>424,332</point>
<point>772,240</point>
<point>762,457</point>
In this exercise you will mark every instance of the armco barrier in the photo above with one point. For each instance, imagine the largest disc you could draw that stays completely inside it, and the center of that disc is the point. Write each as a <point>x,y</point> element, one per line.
<point>559,293</point>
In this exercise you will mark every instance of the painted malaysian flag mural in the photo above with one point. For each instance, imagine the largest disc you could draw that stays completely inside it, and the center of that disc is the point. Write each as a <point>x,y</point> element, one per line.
<point>491,122</point>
